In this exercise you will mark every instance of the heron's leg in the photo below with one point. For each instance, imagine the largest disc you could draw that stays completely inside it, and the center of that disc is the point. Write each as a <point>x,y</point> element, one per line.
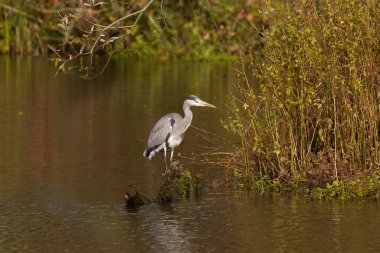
<point>166,166</point>
<point>171,156</point>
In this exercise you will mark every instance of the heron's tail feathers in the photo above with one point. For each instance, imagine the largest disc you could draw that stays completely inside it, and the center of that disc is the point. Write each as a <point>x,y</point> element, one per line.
<point>150,153</point>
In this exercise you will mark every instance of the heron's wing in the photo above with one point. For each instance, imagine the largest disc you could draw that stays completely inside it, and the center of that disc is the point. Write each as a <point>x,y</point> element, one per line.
<point>162,130</point>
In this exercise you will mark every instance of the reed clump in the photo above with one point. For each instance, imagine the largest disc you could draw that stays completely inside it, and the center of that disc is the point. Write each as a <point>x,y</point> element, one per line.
<point>314,121</point>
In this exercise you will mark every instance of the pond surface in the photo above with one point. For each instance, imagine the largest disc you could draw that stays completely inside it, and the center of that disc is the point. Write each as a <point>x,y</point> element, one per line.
<point>70,148</point>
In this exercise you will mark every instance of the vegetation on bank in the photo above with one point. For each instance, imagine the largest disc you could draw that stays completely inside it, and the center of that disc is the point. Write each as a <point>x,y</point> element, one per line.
<point>199,30</point>
<point>314,123</point>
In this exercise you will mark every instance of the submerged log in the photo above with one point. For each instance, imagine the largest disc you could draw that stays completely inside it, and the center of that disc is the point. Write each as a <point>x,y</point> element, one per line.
<point>133,199</point>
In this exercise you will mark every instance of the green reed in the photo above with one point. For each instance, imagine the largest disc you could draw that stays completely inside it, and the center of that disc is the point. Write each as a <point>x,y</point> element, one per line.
<point>314,121</point>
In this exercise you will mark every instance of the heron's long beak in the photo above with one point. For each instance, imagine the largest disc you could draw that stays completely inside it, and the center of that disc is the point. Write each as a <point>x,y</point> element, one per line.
<point>207,104</point>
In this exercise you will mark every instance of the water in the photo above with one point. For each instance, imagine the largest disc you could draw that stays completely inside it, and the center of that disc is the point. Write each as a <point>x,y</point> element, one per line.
<point>70,148</point>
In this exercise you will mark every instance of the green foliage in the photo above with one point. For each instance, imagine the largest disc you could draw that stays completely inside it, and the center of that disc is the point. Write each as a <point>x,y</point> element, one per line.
<point>315,118</point>
<point>195,30</point>
<point>191,30</point>
<point>177,181</point>
<point>250,182</point>
<point>348,188</point>
<point>186,184</point>
<point>23,30</point>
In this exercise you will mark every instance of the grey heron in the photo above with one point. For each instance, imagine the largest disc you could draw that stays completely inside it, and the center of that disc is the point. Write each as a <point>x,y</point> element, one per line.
<point>169,131</point>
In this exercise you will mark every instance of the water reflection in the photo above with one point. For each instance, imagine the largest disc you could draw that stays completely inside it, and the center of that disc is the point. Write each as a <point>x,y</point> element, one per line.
<point>71,147</point>
<point>73,130</point>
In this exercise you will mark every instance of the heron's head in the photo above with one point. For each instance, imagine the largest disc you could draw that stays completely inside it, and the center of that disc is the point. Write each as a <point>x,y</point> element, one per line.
<point>196,101</point>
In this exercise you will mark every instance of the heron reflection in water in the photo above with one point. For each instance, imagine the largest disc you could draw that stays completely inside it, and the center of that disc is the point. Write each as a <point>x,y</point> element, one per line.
<point>169,131</point>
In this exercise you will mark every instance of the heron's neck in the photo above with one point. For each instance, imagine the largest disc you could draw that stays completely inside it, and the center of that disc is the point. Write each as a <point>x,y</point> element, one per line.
<point>188,113</point>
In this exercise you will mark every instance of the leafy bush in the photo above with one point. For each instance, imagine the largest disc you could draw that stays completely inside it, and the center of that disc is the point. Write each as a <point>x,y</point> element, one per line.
<point>315,116</point>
